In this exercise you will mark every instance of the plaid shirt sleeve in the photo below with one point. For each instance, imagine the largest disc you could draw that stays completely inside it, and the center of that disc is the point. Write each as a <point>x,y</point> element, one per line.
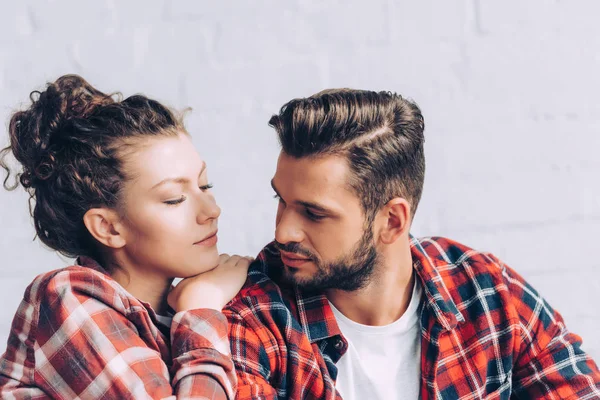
<point>550,362</point>
<point>73,337</point>
<point>250,341</point>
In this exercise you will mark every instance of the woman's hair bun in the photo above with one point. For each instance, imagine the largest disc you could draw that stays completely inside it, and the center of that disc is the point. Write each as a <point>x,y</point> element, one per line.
<point>35,133</point>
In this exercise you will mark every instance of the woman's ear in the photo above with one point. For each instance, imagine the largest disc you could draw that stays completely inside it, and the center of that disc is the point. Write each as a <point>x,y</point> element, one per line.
<point>105,226</point>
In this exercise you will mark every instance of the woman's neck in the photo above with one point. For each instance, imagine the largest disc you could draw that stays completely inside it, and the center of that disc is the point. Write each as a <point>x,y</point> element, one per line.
<point>145,286</point>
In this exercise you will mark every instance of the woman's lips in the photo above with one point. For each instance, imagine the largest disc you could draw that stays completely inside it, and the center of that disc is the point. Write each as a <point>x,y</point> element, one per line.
<point>209,241</point>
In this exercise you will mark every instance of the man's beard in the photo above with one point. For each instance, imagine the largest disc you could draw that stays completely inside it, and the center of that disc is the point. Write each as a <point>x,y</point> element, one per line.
<point>350,272</point>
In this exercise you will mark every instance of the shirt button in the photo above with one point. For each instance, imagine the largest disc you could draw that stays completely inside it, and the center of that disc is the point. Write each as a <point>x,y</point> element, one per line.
<point>338,345</point>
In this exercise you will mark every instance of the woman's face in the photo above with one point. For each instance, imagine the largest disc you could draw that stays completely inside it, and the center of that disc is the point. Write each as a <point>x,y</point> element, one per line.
<point>169,213</point>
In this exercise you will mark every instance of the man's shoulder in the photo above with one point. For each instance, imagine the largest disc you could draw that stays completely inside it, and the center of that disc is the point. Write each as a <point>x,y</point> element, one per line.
<point>266,300</point>
<point>450,257</point>
<point>478,282</point>
<point>264,292</point>
<point>468,274</point>
<point>265,280</point>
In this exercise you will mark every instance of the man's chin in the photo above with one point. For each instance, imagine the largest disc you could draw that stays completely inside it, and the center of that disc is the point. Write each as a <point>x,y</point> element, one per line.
<point>300,279</point>
<point>296,276</point>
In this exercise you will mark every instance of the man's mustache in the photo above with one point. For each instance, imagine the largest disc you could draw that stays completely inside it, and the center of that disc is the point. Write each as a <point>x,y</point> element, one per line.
<point>295,247</point>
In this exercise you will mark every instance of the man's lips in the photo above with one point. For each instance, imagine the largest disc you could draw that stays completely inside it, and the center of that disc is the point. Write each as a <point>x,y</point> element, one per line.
<point>210,240</point>
<point>292,259</point>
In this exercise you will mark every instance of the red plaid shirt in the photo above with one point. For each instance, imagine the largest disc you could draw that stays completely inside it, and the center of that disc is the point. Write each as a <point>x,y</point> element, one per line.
<point>486,333</point>
<point>79,334</point>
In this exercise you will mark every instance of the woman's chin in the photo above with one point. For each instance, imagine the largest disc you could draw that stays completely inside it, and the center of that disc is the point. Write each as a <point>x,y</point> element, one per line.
<point>206,263</point>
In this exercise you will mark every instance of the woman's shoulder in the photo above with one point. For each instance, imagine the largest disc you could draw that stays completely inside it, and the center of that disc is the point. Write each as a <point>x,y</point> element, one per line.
<point>81,283</point>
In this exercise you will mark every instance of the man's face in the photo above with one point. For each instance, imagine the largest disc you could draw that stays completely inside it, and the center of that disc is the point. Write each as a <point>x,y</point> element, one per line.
<point>320,225</point>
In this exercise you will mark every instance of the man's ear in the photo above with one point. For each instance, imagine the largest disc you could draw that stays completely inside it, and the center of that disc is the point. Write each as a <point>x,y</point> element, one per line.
<point>105,226</point>
<point>396,220</point>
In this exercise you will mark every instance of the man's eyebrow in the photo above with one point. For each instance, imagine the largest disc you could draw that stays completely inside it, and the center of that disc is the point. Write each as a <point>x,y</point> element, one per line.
<point>314,206</point>
<point>180,180</point>
<point>307,204</point>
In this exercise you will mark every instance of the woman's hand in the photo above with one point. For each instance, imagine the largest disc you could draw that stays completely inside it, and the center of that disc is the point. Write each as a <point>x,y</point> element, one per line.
<point>212,289</point>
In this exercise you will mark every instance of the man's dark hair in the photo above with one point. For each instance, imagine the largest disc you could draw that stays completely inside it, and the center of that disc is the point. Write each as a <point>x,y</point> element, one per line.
<point>379,133</point>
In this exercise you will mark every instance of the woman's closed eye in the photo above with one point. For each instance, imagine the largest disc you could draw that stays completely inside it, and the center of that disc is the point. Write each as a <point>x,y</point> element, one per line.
<point>175,201</point>
<point>183,198</point>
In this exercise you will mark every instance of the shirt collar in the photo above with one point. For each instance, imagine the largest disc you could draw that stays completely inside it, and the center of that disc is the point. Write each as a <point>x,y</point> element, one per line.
<point>436,292</point>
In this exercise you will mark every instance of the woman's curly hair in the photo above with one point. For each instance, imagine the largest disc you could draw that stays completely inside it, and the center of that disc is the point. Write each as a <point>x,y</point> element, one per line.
<point>69,143</point>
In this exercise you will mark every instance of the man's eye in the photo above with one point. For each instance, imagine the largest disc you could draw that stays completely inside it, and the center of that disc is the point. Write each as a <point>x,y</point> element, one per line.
<point>311,215</point>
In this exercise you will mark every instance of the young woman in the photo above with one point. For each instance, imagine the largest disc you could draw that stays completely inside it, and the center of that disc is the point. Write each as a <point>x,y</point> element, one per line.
<point>118,184</point>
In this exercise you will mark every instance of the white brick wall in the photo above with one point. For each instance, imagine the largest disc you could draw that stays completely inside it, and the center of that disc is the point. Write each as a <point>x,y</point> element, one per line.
<point>508,89</point>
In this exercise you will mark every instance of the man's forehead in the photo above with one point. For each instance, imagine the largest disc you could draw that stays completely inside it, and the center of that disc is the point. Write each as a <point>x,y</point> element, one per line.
<point>330,170</point>
<point>316,180</point>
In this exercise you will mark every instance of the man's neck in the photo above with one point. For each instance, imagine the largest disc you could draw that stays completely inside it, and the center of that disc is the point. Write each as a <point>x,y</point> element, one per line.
<point>384,299</point>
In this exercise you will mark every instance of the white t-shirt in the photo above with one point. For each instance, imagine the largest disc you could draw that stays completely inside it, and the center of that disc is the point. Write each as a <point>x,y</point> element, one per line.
<point>382,362</point>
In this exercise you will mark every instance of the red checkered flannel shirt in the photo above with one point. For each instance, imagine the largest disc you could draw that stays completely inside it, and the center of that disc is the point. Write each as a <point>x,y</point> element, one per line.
<point>79,334</point>
<point>485,333</point>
